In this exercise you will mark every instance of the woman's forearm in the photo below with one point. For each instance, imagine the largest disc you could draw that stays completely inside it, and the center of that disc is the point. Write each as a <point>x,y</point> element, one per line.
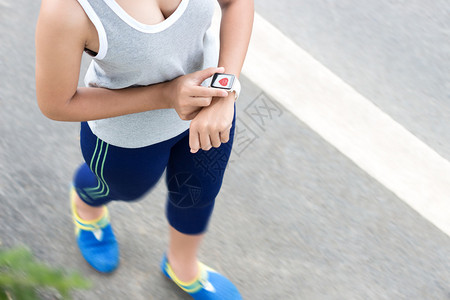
<point>184,94</point>
<point>235,30</point>
<point>99,103</point>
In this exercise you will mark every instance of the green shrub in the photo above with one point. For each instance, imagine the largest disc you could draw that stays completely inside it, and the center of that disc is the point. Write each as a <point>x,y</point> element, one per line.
<point>21,277</point>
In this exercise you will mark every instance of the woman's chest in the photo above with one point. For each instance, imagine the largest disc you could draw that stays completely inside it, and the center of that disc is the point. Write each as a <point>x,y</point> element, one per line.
<point>149,12</point>
<point>176,41</point>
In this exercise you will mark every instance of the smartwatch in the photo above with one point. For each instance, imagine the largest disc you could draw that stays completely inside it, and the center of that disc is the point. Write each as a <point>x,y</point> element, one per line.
<point>227,82</point>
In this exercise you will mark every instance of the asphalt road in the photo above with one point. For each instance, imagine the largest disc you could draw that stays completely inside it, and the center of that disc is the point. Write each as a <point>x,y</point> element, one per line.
<point>295,219</point>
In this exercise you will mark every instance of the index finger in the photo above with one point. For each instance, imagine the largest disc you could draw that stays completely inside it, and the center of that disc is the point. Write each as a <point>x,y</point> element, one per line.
<point>201,91</point>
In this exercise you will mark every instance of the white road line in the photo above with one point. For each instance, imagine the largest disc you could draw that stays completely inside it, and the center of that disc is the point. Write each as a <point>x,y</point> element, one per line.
<point>351,123</point>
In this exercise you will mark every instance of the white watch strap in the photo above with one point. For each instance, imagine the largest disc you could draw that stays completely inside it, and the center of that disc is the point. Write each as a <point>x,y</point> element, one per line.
<point>236,88</point>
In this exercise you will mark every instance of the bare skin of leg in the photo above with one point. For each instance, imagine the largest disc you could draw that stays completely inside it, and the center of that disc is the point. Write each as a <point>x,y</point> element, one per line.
<point>87,212</point>
<point>182,254</point>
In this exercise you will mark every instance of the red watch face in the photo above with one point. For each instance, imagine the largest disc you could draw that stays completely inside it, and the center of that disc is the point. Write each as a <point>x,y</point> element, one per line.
<point>222,81</point>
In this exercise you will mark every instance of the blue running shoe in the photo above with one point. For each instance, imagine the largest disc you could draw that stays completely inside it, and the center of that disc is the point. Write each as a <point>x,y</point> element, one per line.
<point>209,285</point>
<point>96,240</point>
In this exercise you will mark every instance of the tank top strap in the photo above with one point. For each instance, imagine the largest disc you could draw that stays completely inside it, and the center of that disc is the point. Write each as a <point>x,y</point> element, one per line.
<point>96,20</point>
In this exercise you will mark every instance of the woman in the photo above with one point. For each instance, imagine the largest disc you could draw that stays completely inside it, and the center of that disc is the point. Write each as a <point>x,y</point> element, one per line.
<point>144,110</point>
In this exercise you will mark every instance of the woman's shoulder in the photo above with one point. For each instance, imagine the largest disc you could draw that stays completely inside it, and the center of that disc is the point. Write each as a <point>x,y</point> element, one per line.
<point>64,15</point>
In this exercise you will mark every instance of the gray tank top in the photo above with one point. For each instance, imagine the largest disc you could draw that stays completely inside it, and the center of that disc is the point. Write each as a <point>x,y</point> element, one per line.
<point>136,54</point>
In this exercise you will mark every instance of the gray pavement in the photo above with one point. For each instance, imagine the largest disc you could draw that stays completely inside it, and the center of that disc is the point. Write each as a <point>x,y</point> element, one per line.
<point>295,218</point>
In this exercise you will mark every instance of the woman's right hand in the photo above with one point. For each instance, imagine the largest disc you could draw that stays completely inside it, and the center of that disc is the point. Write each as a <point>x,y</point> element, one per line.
<point>186,95</point>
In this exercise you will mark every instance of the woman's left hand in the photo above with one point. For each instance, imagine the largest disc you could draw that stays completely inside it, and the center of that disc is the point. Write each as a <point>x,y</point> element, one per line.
<point>211,127</point>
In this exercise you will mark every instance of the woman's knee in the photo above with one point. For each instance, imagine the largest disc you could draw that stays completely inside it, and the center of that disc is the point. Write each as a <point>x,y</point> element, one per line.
<point>186,190</point>
<point>97,190</point>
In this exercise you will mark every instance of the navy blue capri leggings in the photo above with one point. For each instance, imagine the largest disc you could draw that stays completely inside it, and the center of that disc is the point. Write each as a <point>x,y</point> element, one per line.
<point>193,180</point>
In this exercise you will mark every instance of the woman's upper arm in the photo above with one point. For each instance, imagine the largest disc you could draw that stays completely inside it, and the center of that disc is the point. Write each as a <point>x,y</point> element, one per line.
<point>60,41</point>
